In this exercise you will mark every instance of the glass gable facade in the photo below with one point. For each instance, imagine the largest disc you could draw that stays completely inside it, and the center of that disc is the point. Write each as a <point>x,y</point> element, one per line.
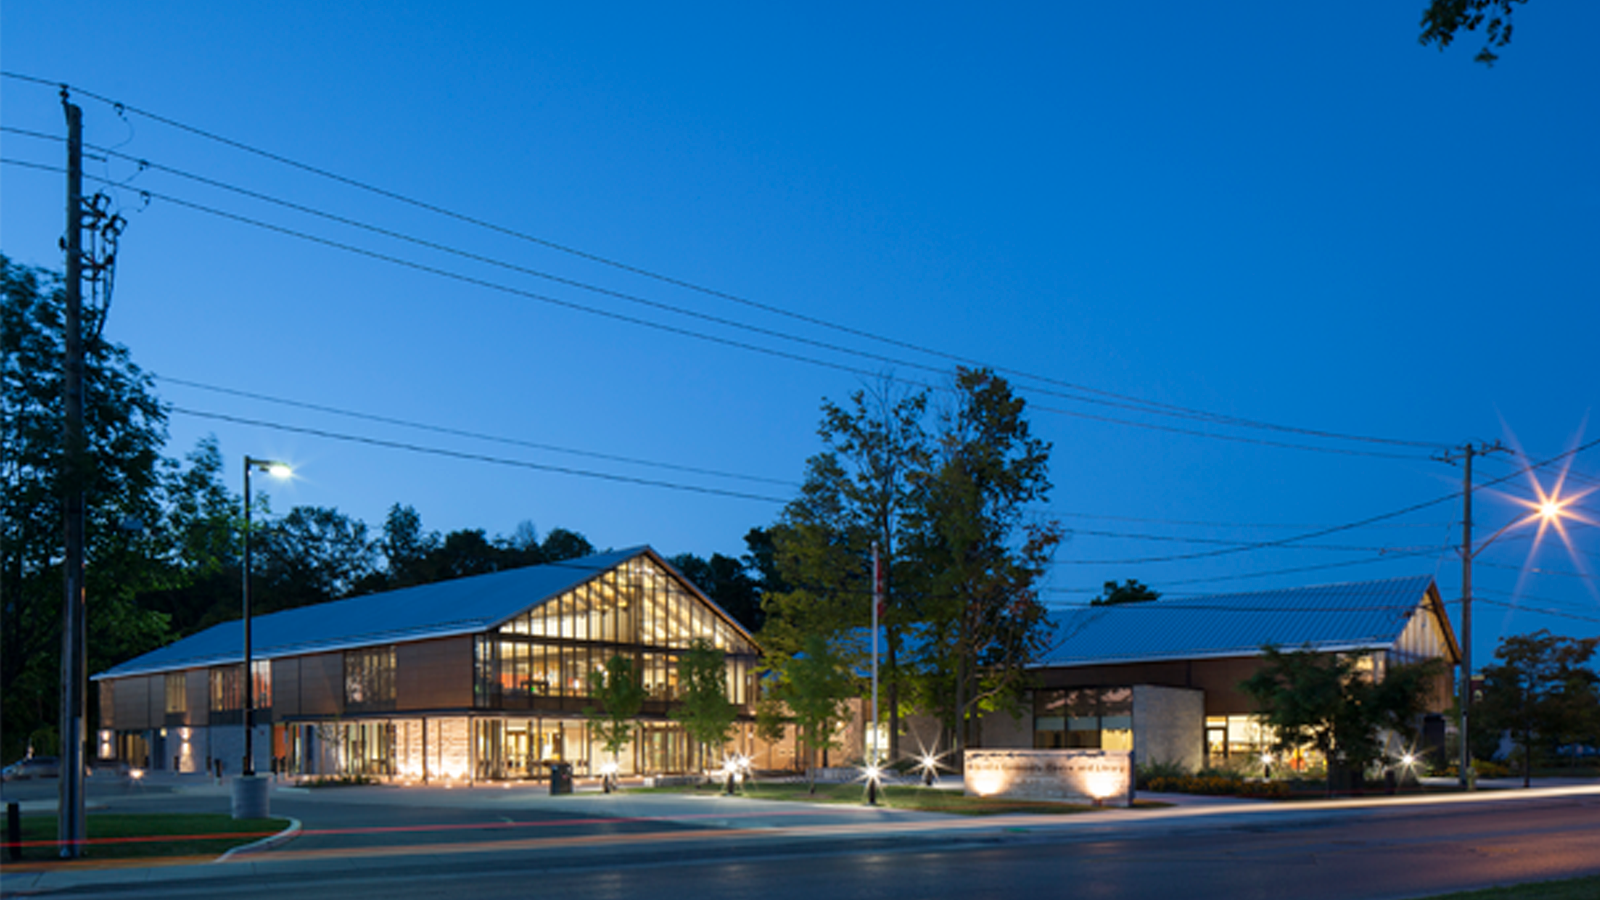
<point>638,610</point>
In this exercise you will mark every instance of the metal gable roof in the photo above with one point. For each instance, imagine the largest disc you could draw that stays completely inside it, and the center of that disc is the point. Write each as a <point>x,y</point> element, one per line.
<point>1332,617</point>
<point>441,609</point>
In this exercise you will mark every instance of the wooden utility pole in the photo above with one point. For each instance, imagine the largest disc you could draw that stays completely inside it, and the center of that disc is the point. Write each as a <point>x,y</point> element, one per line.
<point>1467,452</point>
<point>71,830</point>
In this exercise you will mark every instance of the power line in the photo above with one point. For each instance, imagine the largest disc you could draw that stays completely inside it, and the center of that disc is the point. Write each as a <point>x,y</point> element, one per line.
<point>1539,571</point>
<point>1132,405</point>
<point>1517,597</point>
<point>1281,542</point>
<point>1179,605</point>
<point>685,332</point>
<point>1151,406</point>
<point>1298,569</point>
<point>1517,607</point>
<point>476,457</point>
<point>1211,524</point>
<point>1129,535</point>
<point>439,429</point>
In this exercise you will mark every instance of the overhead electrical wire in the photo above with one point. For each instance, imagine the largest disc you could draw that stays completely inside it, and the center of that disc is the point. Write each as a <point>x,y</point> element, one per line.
<point>1132,405</point>
<point>475,435</point>
<point>504,288</point>
<point>1536,570</point>
<point>1147,405</point>
<point>1294,539</point>
<point>1213,524</point>
<point>1289,571</point>
<point>1138,536</point>
<point>1517,607</point>
<point>1143,405</point>
<point>680,331</point>
<point>477,457</point>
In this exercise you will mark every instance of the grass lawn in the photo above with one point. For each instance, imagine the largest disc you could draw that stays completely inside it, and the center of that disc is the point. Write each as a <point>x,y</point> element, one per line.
<point>893,796</point>
<point>1574,889</point>
<point>128,836</point>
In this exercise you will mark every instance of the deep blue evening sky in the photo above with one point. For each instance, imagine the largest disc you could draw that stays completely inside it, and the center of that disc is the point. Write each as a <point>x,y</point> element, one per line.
<point>1289,213</point>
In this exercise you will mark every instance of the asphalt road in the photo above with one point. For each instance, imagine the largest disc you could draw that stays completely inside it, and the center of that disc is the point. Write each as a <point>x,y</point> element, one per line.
<point>600,851</point>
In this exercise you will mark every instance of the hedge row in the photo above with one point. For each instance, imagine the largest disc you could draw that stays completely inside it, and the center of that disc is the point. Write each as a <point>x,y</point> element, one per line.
<point>1212,784</point>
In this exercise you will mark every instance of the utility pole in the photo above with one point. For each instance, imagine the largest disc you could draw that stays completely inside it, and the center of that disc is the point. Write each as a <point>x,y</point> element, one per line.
<point>1465,453</point>
<point>71,830</point>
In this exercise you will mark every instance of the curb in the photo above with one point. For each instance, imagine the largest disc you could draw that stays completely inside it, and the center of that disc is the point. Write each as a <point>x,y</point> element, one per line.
<point>266,843</point>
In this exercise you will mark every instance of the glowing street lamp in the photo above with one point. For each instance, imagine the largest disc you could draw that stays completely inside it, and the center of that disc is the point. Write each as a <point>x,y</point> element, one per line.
<point>280,471</point>
<point>1549,511</point>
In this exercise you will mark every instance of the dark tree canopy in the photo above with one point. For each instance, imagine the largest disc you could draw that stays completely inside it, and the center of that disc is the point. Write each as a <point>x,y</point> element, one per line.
<point>1130,591</point>
<point>1443,19</point>
<point>127,549</point>
<point>1543,691</point>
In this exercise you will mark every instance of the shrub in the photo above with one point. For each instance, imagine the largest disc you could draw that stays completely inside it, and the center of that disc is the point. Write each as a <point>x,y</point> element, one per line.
<point>1224,785</point>
<point>1158,769</point>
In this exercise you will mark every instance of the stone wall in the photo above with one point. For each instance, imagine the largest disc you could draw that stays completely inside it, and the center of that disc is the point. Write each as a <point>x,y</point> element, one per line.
<point>1103,777</point>
<point>1169,725</point>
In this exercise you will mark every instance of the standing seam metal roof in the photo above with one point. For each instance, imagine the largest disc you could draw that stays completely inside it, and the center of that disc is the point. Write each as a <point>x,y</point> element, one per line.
<point>442,609</point>
<point>1332,617</point>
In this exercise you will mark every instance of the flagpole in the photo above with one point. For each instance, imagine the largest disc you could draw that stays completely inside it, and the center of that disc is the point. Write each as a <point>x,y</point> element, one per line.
<point>877,601</point>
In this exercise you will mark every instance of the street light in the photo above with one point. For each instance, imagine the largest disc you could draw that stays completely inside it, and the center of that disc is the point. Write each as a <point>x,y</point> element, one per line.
<point>249,800</point>
<point>1548,511</point>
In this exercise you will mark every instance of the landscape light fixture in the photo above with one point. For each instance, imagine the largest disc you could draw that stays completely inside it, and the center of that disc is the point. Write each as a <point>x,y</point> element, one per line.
<point>873,774</point>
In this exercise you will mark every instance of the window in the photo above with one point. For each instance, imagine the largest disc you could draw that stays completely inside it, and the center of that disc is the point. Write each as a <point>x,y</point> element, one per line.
<point>177,692</point>
<point>262,669</point>
<point>1083,719</point>
<point>369,679</point>
<point>227,688</point>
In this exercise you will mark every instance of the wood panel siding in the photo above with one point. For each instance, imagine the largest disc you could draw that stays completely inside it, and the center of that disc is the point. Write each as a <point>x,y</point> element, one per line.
<point>132,698</point>
<point>1219,678</point>
<point>108,704</point>
<point>285,687</point>
<point>197,686</point>
<point>434,674</point>
<point>322,684</point>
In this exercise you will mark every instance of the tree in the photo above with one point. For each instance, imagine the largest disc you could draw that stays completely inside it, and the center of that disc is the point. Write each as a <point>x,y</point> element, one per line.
<point>621,695</point>
<point>312,555</point>
<point>1324,701</point>
<point>405,548</point>
<point>1130,591</point>
<point>703,708</point>
<point>821,550</point>
<point>561,544</point>
<point>1444,18</point>
<point>814,685</point>
<point>1542,692</point>
<point>203,523</point>
<point>979,556</point>
<point>857,492</point>
<point>125,428</point>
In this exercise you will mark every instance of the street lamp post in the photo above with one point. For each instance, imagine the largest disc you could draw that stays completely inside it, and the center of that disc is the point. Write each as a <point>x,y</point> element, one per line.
<point>1549,509</point>
<point>250,795</point>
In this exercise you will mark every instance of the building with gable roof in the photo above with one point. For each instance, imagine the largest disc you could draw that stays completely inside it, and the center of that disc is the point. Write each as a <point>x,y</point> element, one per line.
<point>1161,678</point>
<point>477,678</point>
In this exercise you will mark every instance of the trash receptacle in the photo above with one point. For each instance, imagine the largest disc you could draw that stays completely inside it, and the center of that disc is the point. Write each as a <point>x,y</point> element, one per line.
<point>561,778</point>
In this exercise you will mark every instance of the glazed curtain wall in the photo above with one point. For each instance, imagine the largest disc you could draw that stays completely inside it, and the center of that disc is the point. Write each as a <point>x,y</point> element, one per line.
<point>637,610</point>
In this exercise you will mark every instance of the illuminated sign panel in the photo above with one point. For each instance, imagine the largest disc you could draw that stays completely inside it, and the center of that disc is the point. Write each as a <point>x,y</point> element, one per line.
<point>1100,777</point>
